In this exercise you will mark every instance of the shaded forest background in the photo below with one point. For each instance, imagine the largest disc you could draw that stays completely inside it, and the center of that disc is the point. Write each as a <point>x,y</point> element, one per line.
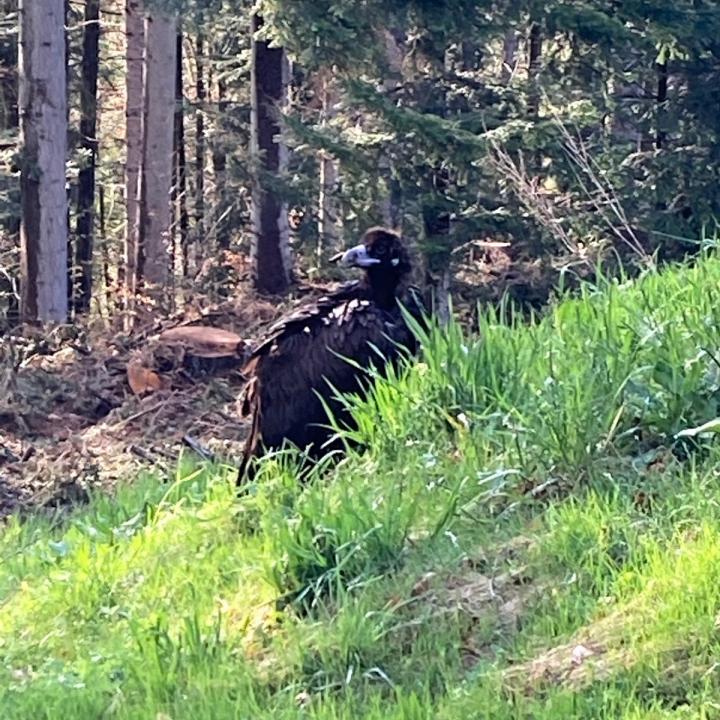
<point>513,142</point>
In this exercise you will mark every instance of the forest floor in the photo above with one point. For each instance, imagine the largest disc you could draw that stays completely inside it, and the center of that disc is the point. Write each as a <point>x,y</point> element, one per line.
<point>533,531</point>
<point>71,420</point>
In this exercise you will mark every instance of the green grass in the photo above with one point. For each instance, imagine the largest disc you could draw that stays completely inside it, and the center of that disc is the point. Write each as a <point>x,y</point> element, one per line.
<point>524,538</point>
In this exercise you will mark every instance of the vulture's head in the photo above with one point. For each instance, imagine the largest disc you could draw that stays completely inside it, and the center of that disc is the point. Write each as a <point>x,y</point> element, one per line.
<point>384,258</point>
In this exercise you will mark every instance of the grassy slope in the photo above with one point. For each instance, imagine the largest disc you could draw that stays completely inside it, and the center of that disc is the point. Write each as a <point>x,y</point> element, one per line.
<point>522,540</point>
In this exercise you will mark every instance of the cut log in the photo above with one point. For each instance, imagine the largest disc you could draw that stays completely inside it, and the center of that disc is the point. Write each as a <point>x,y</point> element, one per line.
<point>200,350</point>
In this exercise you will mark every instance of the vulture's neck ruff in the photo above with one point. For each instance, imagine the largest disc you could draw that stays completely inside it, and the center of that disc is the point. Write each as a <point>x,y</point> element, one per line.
<point>385,262</point>
<point>382,285</point>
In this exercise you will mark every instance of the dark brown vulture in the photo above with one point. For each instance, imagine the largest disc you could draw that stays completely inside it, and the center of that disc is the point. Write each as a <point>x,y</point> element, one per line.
<point>305,350</point>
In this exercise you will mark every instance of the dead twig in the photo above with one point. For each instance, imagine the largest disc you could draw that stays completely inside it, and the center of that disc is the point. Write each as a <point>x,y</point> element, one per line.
<point>144,454</point>
<point>604,198</point>
<point>153,420</point>
<point>536,201</point>
<point>122,423</point>
<point>198,449</point>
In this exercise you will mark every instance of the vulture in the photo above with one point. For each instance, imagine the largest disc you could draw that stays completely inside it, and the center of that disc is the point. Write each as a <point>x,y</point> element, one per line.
<point>305,354</point>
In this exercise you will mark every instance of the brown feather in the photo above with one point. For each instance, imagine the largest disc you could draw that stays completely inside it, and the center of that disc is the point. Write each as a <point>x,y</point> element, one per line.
<point>300,355</point>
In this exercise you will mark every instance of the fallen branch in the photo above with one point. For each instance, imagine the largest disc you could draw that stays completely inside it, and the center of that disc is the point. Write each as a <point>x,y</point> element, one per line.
<point>144,454</point>
<point>122,423</point>
<point>197,448</point>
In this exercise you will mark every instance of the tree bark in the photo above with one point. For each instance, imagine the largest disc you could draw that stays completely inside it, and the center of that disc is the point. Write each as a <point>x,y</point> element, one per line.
<point>110,297</point>
<point>201,95</point>
<point>180,180</point>
<point>9,85</point>
<point>159,103</point>
<point>68,100</point>
<point>270,252</point>
<point>510,47</point>
<point>88,141</point>
<point>436,210</point>
<point>390,205</point>
<point>9,281</point>
<point>134,115</point>
<point>534,60</point>
<point>442,296</point>
<point>438,229</point>
<point>662,98</point>
<point>627,90</point>
<point>43,137</point>
<point>470,55</point>
<point>219,162</point>
<point>329,220</point>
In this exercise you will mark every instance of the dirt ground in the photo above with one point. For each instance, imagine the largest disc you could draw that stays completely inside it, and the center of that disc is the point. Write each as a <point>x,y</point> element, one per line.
<point>87,407</point>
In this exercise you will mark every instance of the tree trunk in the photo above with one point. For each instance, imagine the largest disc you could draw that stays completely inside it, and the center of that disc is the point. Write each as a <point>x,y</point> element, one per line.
<point>88,140</point>
<point>43,137</point>
<point>438,230</point>
<point>9,85</point>
<point>436,210</point>
<point>534,60</point>
<point>9,121</point>
<point>159,103</point>
<point>69,188</point>
<point>470,55</point>
<point>110,297</point>
<point>180,167</point>
<point>662,97</point>
<point>390,205</point>
<point>626,89</point>
<point>134,115</point>
<point>270,253</point>
<point>510,47</point>
<point>201,95</point>
<point>219,162</point>
<point>442,297</point>
<point>329,220</point>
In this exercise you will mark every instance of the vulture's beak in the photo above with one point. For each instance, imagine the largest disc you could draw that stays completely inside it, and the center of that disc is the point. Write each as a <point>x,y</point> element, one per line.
<point>355,257</point>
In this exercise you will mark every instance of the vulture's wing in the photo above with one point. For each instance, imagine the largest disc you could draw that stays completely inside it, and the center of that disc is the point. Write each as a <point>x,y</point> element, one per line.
<point>297,320</point>
<point>307,351</point>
